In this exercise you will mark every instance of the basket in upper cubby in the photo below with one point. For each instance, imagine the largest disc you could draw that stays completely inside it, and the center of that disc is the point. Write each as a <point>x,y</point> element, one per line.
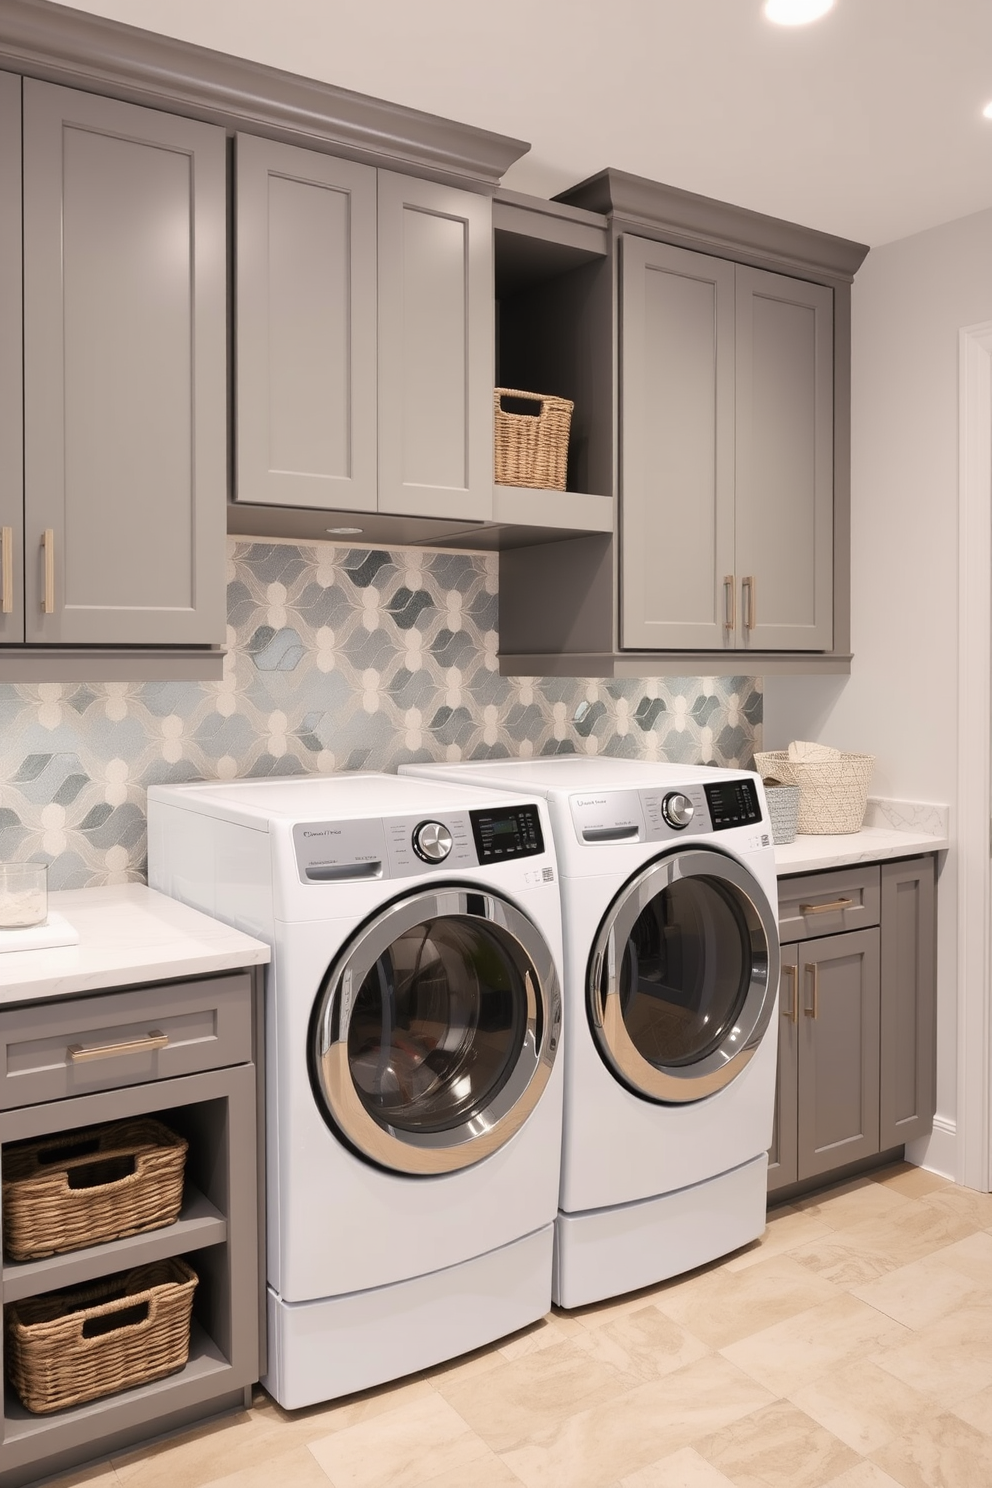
<point>531,449</point>
<point>88,1186</point>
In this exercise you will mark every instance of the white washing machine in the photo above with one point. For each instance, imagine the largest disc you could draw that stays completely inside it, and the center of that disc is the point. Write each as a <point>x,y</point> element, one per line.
<point>412,1024</point>
<point>671,972</point>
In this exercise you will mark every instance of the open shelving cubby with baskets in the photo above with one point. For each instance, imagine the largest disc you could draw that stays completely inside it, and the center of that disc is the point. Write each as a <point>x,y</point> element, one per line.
<point>200,1092</point>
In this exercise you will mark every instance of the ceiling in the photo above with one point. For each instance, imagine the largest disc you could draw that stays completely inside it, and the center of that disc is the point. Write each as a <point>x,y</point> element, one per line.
<point>867,123</point>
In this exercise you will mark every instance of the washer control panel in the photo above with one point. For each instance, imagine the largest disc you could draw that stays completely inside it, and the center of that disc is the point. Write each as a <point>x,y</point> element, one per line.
<point>677,810</point>
<point>609,818</point>
<point>733,803</point>
<point>405,846</point>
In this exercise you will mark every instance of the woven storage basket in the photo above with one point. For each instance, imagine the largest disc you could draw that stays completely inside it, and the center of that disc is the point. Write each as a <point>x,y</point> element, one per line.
<point>783,812</point>
<point>91,1185</point>
<point>529,450</point>
<point>68,1347</point>
<point>833,794</point>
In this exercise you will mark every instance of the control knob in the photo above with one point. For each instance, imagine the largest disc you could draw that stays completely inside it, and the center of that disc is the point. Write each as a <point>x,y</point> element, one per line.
<point>431,841</point>
<point>677,810</point>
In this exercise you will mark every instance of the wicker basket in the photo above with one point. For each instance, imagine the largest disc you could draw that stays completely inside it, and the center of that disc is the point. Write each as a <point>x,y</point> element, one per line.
<point>531,450</point>
<point>783,812</point>
<point>833,794</point>
<point>91,1185</point>
<point>68,1347</point>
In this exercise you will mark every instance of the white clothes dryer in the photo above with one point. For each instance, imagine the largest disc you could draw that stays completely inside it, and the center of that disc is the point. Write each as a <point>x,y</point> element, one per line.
<point>671,973</point>
<point>412,1025</point>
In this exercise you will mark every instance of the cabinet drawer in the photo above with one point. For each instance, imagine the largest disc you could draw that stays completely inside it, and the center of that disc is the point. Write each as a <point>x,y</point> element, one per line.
<point>52,1050</point>
<point>826,903</point>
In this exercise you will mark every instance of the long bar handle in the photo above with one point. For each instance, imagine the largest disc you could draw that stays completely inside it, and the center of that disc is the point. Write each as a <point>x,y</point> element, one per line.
<point>813,971</point>
<point>730,603</point>
<point>792,1013</point>
<point>7,570</point>
<point>749,588</point>
<point>48,548</point>
<point>155,1039</point>
<point>824,908</point>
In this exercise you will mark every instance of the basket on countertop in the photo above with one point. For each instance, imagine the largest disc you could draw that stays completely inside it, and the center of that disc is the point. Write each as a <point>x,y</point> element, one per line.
<point>783,811</point>
<point>833,793</point>
<point>88,1186</point>
<point>64,1348</point>
<point>531,449</point>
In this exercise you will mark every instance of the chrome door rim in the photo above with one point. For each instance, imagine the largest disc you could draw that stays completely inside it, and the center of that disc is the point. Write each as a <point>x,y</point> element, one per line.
<point>486,1130</point>
<point>677,1084</point>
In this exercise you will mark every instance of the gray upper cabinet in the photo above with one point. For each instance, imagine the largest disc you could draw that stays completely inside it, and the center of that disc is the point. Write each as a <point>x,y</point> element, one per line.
<point>726,454</point>
<point>784,429</point>
<point>435,350</point>
<point>11,406</point>
<point>306,328</point>
<point>124,373</point>
<point>364,338</point>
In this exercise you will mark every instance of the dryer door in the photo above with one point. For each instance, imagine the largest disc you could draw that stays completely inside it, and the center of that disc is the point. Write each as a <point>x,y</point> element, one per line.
<point>435,1031</point>
<point>683,976</point>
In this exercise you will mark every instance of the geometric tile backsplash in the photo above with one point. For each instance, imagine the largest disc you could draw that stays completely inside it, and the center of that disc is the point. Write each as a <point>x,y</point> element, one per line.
<point>338,659</point>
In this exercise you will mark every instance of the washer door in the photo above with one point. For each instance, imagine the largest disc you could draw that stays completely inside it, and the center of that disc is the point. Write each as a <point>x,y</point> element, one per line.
<point>435,1031</point>
<point>683,976</point>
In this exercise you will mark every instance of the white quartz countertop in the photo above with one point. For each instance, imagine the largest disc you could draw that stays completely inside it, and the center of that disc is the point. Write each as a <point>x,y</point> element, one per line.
<point>870,845</point>
<point>127,933</point>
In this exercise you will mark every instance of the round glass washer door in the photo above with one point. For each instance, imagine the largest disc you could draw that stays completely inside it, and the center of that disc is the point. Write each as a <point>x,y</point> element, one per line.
<point>435,1031</point>
<point>683,976</point>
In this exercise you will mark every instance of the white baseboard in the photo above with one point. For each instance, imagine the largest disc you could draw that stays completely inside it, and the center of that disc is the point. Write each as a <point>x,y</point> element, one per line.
<point>937,1152</point>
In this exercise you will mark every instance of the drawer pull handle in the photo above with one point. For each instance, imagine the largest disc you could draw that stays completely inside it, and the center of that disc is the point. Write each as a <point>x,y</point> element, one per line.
<point>153,1040</point>
<point>792,1012</point>
<point>813,972</point>
<point>823,908</point>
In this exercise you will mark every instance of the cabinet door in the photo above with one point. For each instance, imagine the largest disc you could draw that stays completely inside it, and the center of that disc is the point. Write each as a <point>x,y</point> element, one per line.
<point>838,1050</point>
<point>124,372</point>
<point>306,328</point>
<point>11,428</point>
<point>784,353</point>
<point>435,350</point>
<point>908,1006</point>
<point>676,448</point>
<point>783,1154</point>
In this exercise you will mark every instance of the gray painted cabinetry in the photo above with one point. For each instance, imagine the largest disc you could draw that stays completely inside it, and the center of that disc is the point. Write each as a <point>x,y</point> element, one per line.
<point>857,1008</point>
<point>364,338</point>
<point>202,1085</point>
<point>124,374</point>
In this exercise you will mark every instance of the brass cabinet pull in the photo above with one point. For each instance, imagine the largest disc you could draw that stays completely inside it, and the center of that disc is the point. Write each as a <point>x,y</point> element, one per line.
<point>48,548</point>
<point>750,608</point>
<point>730,603</point>
<point>792,1012</point>
<point>155,1039</point>
<point>7,570</point>
<point>823,908</point>
<point>813,972</point>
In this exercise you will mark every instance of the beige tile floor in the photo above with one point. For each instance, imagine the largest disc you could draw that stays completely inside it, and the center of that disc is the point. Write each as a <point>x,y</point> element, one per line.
<point>850,1348</point>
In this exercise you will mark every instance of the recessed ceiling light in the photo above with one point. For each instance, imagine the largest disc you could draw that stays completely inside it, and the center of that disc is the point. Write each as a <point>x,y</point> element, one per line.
<point>987,111</point>
<point>345,531</point>
<point>796,12</point>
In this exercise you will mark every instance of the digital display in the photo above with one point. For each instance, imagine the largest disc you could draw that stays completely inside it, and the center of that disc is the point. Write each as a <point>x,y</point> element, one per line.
<point>734,804</point>
<point>511,833</point>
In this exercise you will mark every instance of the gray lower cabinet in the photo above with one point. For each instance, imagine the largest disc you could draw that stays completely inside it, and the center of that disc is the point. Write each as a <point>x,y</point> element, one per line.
<point>124,376</point>
<point>856,1024</point>
<point>726,454</point>
<point>364,338</point>
<point>11,396</point>
<point>203,1085</point>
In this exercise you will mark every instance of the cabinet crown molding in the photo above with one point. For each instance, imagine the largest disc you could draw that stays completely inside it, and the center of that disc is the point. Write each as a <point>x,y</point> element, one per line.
<point>639,205</point>
<point>61,45</point>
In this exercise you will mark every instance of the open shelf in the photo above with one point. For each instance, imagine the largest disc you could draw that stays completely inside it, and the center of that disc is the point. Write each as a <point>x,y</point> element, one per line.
<point>199,1224</point>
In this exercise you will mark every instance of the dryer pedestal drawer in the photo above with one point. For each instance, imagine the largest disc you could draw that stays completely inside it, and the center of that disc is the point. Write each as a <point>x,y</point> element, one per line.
<point>52,1050</point>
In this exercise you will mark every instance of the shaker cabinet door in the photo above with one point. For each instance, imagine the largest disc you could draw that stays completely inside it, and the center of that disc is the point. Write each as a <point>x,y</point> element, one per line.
<point>909,993</point>
<point>784,424</point>
<point>11,432</point>
<point>435,350</point>
<point>677,448</point>
<point>124,372</point>
<point>305,264</point>
<point>783,1154</point>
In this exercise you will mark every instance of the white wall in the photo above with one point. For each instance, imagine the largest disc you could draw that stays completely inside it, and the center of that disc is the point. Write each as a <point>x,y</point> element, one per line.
<point>910,300</point>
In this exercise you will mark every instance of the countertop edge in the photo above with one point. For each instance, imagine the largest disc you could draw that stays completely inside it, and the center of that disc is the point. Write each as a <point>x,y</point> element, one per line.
<point>870,845</point>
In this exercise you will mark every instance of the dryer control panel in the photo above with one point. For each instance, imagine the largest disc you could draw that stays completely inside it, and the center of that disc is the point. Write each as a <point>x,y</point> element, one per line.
<point>405,846</point>
<point>610,817</point>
